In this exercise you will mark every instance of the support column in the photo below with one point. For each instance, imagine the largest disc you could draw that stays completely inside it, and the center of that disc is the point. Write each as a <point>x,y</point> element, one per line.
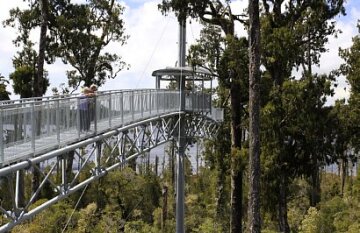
<point>180,177</point>
<point>63,174</point>
<point>97,157</point>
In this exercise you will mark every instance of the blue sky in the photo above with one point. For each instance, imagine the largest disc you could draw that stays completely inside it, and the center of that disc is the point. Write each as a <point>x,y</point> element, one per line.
<point>153,44</point>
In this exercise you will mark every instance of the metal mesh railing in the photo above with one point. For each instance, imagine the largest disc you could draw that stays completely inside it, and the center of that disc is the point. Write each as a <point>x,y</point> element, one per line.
<point>29,127</point>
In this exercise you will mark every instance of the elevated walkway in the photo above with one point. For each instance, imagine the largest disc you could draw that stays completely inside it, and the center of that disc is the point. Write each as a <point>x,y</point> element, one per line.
<point>50,132</point>
<point>31,127</point>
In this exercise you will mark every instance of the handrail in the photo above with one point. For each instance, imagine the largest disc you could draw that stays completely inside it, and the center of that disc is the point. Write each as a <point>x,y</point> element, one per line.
<point>5,103</point>
<point>29,127</point>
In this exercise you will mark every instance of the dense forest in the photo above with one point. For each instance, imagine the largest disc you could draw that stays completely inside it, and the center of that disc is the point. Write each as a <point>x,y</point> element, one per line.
<point>307,165</point>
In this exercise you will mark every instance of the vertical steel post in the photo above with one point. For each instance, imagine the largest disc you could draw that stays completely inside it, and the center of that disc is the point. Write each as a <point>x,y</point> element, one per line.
<point>150,102</point>
<point>157,101</point>
<point>2,157</point>
<point>78,120</point>
<point>180,178</point>
<point>17,189</point>
<point>25,122</point>
<point>57,119</point>
<point>97,157</point>
<point>158,82</point>
<point>203,96</point>
<point>122,107</point>
<point>210,96</point>
<point>110,110</point>
<point>67,116</point>
<point>33,127</point>
<point>63,174</point>
<point>164,99</point>
<point>142,99</point>
<point>48,118</point>
<point>132,103</point>
<point>96,115</point>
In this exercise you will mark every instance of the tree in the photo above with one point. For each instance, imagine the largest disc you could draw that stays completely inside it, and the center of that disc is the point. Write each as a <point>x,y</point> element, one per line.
<point>26,71</point>
<point>76,33</point>
<point>298,116</point>
<point>289,27</point>
<point>39,77</point>
<point>254,116</point>
<point>27,60</point>
<point>350,69</point>
<point>347,114</point>
<point>292,31</point>
<point>81,33</point>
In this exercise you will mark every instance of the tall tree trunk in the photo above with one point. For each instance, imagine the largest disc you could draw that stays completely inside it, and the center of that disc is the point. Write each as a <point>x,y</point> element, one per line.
<point>283,219</point>
<point>39,82</point>
<point>172,162</point>
<point>38,78</point>
<point>343,174</point>
<point>69,163</point>
<point>254,115</point>
<point>315,186</point>
<point>236,170</point>
<point>156,165</point>
<point>164,207</point>
<point>221,179</point>
<point>221,150</point>
<point>35,182</point>
<point>21,188</point>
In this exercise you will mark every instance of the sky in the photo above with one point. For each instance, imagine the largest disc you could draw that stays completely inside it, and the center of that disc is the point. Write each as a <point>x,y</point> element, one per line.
<point>153,44</point>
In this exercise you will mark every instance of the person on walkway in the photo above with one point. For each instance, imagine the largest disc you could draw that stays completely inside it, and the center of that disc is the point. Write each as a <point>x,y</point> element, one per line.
<point>84,106</point>
<point>93,88</point>
<point>92,102</point>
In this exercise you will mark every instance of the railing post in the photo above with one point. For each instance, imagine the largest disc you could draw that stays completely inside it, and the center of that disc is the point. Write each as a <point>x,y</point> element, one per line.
<point>33,127</point>
<point>67,114</point>
<point>132,107</point>
<point>150,103</point>
<point>57,119</point>
<point>157,101</point>
<point>96,114</point>
<point>110,110</point>
<point>2,157</point>
<point>25,121</point>
<point>63,175</point>
<point>17,189</point>
<point>122,107</point>
<point>47,118</point>
<point>142,97</point>
<point>78,120</point>
<point>164,100</point>
<point>97,157</point>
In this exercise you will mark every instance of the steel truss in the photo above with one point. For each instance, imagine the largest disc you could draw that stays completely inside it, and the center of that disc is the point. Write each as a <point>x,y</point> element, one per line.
<point>122,145</point>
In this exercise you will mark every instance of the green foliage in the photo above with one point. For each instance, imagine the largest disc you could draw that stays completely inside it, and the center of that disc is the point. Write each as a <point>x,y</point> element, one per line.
<point>294,33</point>
<point>138,227</point>
<point>81,33</point>
<point>21,78</point>
<point>78,33</point>
<point>87,219</point>
<point>51,220</point>
<point>209,226</point>
<point>220,13</point>
<point>4,94</point>
<point>309,223</point>
<point>350,69</point>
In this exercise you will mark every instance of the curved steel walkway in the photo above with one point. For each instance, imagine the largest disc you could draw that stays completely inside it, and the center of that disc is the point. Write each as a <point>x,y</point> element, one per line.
<point>50,131</point>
